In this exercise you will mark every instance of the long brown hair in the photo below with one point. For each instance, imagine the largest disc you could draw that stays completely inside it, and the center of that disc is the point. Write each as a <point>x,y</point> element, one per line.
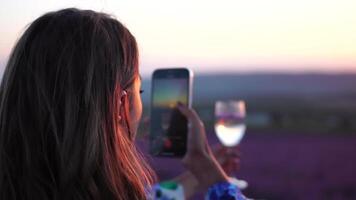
<point>60,137</point>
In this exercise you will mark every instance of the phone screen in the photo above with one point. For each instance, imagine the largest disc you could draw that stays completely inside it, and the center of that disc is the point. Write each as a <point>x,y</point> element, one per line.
<point>168,126</point>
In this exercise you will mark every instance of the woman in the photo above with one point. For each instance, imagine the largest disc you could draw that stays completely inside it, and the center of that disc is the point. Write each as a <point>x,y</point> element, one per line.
<point>69,109</point>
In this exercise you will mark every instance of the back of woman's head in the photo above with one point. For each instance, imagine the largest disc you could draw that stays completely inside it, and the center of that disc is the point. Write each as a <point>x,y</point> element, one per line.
<point>59,133</point>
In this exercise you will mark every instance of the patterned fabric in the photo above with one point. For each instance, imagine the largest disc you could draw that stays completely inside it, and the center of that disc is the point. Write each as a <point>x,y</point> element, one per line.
<point>166,191</point>
<point>224,191</point>
<point>173,191</point>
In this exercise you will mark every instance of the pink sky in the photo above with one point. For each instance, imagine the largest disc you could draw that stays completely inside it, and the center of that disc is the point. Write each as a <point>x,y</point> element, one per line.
<point>228,35</point>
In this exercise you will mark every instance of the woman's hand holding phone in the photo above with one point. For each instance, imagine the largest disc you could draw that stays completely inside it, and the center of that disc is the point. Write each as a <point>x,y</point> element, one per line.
<point>199,158</point>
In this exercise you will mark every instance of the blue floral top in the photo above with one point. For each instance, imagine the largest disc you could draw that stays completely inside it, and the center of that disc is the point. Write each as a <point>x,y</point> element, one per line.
<point>174,191</point>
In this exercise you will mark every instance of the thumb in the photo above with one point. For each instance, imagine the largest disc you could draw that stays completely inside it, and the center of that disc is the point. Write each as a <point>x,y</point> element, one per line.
<point>196,133</point>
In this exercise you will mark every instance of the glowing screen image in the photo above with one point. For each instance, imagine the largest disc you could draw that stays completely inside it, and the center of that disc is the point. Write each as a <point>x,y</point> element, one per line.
<point>169,91</point>
<point>168,125</point>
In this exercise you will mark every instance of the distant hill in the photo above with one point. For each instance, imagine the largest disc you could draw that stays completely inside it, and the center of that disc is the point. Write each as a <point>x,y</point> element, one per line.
<point>209,88</point>
<point>296,102</point>
<point>2,68</point>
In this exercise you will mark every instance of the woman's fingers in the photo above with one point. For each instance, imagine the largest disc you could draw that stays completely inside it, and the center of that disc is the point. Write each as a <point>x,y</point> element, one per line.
<point>228,158</point>
<point>190,114</point>
<point>196,133</point>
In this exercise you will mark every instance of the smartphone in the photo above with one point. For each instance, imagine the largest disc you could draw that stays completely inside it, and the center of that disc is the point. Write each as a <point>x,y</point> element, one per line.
<point>168,130</point>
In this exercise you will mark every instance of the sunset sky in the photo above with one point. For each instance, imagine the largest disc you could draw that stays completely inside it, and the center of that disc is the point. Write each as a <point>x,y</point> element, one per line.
<point>209,36</point>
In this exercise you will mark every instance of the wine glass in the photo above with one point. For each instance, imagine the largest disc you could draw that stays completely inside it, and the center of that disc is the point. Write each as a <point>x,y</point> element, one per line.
<point>230,126</point>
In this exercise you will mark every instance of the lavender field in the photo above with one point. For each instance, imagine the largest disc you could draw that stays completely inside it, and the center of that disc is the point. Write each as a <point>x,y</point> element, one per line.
<point>301,141</point>
<point>288,166</point>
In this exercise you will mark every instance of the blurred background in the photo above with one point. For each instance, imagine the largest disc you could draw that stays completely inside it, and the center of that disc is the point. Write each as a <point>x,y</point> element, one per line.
<point>293,62</point>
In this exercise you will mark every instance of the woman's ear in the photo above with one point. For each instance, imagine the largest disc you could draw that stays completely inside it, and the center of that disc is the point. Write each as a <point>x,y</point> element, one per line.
<point>121,103</point>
